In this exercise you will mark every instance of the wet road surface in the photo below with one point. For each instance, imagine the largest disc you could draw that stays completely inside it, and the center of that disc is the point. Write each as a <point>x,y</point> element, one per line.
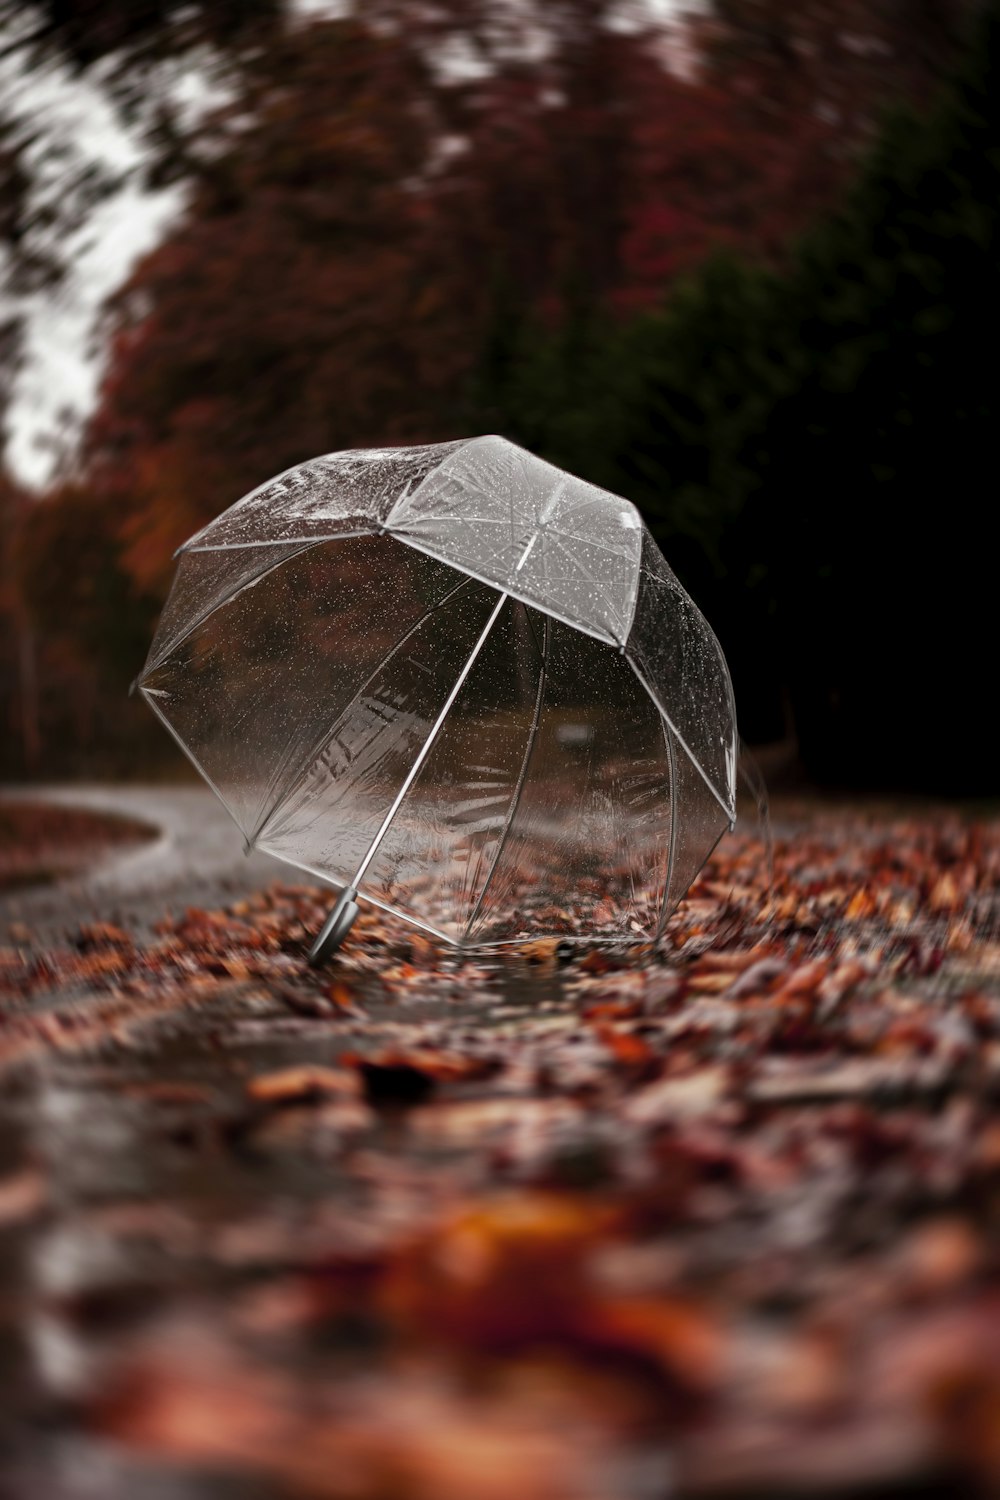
<point>194,857</point>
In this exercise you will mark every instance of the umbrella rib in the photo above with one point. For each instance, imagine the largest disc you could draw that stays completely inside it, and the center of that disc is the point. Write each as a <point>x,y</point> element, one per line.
<point>212,784</point>
<point>270,803</point>
<point>428,744</point>
<point>522,774</point>
<point>730,812</point>
<point>206,614</point>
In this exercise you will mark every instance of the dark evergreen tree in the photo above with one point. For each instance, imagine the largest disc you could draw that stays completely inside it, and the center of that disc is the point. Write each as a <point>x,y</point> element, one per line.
<point>814,450</point>
<point>880,501</point>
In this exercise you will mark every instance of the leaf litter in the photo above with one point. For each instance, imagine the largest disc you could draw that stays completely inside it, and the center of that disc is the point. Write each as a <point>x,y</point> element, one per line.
<point>713,1219</point>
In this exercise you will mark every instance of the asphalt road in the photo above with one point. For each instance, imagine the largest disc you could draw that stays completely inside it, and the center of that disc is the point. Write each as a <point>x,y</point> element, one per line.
<point>195,857</point>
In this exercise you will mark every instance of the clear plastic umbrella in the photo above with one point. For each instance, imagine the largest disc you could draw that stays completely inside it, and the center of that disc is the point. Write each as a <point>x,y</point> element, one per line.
<point>458,683</point>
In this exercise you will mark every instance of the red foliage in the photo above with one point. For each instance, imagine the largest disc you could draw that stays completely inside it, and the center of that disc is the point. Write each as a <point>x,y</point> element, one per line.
<point>358,206</point>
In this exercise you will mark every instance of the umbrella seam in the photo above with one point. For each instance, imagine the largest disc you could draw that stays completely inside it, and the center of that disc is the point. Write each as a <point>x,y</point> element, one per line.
<point>295,469</point>
<point>707,856</point>
<point>243,500</point>
<point>634,602</point>
<point>285,541</point>
<point>408,496</point>
<point>661,920</point>
<point>605,637</point>
<point>522,777</point>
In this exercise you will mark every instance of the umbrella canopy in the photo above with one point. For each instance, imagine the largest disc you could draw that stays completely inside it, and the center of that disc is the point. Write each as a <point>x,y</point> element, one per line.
<point>457,682</point>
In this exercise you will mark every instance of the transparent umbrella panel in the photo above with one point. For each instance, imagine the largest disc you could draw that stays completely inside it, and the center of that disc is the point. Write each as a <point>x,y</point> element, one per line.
<point>551,796</point>
<point>251,686</point>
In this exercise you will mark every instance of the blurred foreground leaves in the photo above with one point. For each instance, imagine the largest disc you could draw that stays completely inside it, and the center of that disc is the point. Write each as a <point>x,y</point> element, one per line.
<point>717,1220</point>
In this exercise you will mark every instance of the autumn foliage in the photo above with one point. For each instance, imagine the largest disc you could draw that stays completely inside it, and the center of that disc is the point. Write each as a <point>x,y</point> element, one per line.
<point>416,221</point>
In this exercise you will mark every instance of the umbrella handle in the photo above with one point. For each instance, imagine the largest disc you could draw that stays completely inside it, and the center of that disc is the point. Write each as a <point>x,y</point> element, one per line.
<point>336,927</point>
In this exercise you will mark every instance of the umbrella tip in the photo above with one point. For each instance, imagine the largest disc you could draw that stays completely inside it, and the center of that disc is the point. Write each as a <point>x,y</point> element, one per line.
<point>336,927</point>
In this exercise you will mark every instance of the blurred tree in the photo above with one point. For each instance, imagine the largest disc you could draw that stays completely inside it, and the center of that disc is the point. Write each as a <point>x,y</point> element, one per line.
<point>880,509</point>
<point>810,446</point>
<point>672,409</point>
<point>544,120</point>
<point>70,579</point>
<point>132,40</point>
<point>299,308</point>
<point>424,218</point>
<point>79,632</point>
<point>18,647</point>
<point>331,283</point>
<point>357,203</point>
<point>834,65</point>
<point>709,368</point>
<point>784,100</point>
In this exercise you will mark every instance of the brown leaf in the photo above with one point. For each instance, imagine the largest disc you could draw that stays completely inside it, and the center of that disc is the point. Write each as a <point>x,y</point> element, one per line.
<point>307,1082</point>
<point>678,1098</point>
<point>22,1196</point>
<point>944,895</point>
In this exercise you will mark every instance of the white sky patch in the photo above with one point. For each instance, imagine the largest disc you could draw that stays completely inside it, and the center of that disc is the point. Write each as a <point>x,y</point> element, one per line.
<point>57,386</point>
<point>323,10</point>
<point>72,125</point>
